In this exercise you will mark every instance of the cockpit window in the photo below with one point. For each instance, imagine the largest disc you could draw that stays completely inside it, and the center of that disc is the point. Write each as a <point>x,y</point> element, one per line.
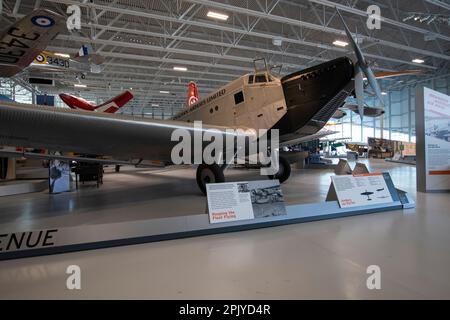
<point>259,78</point>
<point>250,79</point>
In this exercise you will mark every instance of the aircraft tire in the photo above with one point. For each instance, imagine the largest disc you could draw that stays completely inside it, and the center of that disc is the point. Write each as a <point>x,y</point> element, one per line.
<point>3,168</point>
<point>117,168</point>
<point>284,172</point>
<point>209,174</point>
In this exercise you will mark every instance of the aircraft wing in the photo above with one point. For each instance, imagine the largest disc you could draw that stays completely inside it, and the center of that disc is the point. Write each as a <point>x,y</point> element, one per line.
<point>85,132</point>
<point>371,112</point>
<point>390,74</point>
<point>312,137</point>
<point>34,155</point>
<point>25,39</point>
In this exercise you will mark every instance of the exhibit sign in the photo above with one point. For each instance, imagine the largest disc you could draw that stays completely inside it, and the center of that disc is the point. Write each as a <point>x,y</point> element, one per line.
<point>247,200</point>
<point>433,139</point>
<point>362,190</point>
<point>59,176</point>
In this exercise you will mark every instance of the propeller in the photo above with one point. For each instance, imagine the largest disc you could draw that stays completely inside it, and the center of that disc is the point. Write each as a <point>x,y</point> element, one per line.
<point>361,68</point>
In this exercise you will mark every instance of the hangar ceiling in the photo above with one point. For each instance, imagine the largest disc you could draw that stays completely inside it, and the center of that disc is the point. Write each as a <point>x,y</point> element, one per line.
<point>143,40</point>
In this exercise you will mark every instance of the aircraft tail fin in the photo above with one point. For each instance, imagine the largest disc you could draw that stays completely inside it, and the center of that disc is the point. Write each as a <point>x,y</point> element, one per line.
<point>192,96</point>
<point>86,54</point>
<point>114,104</point>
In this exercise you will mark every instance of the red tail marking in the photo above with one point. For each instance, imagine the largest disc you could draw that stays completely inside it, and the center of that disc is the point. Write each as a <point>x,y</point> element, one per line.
<point>193,95</point>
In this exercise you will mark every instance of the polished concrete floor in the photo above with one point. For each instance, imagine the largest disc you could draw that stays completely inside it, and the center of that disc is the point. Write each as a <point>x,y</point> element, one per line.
<point>325,259</point>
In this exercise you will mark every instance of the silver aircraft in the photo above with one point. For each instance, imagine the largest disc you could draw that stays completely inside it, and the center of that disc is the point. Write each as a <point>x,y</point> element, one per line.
<point>298,105</point>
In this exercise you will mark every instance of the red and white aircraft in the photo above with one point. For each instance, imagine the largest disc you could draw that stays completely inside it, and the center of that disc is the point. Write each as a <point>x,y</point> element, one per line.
<point>110,106</point>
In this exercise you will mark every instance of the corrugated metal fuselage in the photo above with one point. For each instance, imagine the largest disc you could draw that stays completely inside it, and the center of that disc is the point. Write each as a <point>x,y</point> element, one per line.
<point>299,104</point>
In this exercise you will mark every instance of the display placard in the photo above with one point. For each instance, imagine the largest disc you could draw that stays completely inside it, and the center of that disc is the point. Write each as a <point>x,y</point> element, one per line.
<point>433,137</point>
<point>246,200</point>
<point>362,190</point>
<point>59,176</point>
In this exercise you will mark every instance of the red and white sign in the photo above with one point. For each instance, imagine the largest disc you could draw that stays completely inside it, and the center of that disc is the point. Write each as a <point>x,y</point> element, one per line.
<point>227,203</point>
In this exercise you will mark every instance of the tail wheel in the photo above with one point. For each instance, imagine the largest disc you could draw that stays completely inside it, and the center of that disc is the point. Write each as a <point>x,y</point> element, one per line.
<point>284,171</point>
<point>3,168</point>
<point>209,174</point>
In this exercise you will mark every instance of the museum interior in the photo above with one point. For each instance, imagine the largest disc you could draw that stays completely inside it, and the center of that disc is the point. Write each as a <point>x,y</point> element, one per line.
<point>224,149</point>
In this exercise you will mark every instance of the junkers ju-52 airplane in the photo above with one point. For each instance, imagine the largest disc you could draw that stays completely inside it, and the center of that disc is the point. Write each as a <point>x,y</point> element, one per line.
<point>298,105</point>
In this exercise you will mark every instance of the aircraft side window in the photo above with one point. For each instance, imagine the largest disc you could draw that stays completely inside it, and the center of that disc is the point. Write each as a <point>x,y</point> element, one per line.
<point>260,78</point>
<point>238,97</point>
<point>250,79</point>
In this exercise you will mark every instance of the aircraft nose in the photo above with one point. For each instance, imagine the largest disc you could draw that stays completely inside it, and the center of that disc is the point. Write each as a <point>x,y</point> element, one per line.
<point>317,92</point>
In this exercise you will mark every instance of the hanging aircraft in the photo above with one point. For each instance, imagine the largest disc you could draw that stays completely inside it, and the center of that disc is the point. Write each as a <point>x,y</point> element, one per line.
<point>22,47</point>
<point>371,112</point>
<point>83,62</point>
<point>298,105</point>
<point>22,42</point>
<point>111,106</point>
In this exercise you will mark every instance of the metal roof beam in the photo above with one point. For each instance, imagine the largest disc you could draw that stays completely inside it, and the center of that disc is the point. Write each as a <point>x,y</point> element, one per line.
<point>396,23</point>
<point>258,34</point>
<point>317,27</point>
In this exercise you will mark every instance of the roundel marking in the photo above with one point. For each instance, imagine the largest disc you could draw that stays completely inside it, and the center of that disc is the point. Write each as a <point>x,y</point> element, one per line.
<point>43,21</point>
<point>41,59</point>
<point>193,100</point>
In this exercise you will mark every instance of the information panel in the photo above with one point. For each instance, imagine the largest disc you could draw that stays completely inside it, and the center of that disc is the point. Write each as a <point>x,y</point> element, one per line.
<point>361,190</point>
<point>433,139</point>
<point>247,200</point>
<point>59,176</point>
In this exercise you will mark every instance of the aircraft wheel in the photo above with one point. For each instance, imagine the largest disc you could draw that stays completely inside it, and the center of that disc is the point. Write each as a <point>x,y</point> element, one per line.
<point>117,169</point>
<point>284,172</point>
<point>209,174</point>
<point>3,168</point>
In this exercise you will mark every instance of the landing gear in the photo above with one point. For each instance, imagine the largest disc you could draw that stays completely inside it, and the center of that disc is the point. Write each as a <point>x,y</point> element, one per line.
<point>209,174</point>
<point>284,172</point>
<point>3,168</point>
<point>117,168</point>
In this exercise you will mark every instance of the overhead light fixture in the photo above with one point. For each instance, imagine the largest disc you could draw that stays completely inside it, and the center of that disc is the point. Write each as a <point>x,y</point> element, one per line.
<point>216,15</point>
<point>431,20</point>
<point>384,93</point>
<point>425,18</point>
<point>340,43</point>
<point>409,17</point>
<point>277,41</point>
<point>155,105</point>
<point>164,92</point>
<point>62,55</point>
<point>180,68</point>
<point>418,61</point>
<point>79,85</point>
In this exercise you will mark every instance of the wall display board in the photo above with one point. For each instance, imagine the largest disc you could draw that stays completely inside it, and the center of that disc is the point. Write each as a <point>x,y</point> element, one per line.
<point>433,140</point>
<point>244,200</point>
